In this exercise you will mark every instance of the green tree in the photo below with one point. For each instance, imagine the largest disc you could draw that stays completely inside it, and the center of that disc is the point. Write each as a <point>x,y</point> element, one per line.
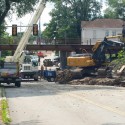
<point>2,28</point>
<point>116,9</point>
<point>21,7</point>
<point>67,16</point>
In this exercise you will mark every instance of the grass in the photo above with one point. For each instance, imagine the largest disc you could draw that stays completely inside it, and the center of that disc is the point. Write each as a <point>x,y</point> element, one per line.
<point>5,115</point>
<point>5,112</point>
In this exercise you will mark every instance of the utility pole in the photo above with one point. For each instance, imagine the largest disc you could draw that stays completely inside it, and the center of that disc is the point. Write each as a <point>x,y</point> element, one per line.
<point>39,32</point>
<point>20,29</point>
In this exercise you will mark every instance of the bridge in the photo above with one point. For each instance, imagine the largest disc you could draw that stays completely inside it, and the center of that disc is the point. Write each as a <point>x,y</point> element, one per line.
<point>61,47</point>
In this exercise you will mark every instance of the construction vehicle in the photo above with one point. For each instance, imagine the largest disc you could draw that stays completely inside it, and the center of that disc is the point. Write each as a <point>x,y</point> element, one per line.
<point>95,63</point>
<point>9,73</point>
<point>27,69</point>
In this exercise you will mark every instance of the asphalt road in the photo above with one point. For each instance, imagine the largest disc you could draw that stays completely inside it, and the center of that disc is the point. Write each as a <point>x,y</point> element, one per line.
<point>43,103</point>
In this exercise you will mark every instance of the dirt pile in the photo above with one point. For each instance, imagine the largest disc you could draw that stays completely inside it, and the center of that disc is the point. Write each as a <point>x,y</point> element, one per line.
<point>97,81</point>
<point>63,76</point>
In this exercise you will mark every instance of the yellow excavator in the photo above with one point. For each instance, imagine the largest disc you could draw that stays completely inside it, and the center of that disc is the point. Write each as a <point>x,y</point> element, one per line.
<point>100,50</point>
<point>92,63</point>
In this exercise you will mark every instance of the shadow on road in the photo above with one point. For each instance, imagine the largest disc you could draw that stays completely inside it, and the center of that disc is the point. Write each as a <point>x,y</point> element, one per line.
<point>32,122</point>
<point>44,88</point>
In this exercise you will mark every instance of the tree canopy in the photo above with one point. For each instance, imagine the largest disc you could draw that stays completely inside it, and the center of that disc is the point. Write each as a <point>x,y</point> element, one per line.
<point>67,16</point>
<point>21,7</point>
<point>115,9</point>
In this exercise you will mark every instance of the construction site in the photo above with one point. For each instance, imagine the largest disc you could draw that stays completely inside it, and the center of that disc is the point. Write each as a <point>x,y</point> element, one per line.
<point>71,74</point>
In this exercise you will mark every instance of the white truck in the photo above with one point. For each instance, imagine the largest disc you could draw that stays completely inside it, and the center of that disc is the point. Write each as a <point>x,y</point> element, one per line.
<point>27,69</point>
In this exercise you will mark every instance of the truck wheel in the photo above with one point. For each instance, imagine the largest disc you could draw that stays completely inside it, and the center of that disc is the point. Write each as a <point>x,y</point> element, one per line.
<point>35,79</point>
<point>48,79</point>
<point>22,76</point>
<point>52,79</point>
<point>18,84</point>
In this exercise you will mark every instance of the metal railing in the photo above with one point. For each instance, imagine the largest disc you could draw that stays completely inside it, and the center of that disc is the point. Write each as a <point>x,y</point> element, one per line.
<point>43,41</point>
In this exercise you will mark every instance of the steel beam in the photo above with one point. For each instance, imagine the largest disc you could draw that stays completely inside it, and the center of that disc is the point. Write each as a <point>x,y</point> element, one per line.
<point>68,48</point>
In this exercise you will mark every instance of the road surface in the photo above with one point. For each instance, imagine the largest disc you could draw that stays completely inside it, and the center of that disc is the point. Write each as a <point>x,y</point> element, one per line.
<point>49,103</point>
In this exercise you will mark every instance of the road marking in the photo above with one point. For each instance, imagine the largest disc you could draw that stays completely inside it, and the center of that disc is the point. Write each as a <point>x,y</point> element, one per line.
<point>98,105</point>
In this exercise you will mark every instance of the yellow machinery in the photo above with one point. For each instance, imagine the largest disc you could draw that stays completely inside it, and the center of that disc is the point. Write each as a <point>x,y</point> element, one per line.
<point>98,57</point>
<point>94,63</point>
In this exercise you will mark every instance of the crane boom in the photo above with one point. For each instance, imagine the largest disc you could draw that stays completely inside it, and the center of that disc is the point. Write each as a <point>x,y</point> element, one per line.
<point>26,35</point>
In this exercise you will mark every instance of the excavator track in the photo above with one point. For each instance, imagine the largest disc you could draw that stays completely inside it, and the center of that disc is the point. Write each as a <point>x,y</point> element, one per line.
<point>104,72</point>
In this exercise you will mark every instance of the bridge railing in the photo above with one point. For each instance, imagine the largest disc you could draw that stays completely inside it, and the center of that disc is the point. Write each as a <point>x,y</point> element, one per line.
<point>43,41</point>
<point>59,41</point>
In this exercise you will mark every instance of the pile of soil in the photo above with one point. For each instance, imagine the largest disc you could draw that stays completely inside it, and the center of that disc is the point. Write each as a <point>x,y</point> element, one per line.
<point>116,81</point>
<point>63,76</point>
<point>97,81</point>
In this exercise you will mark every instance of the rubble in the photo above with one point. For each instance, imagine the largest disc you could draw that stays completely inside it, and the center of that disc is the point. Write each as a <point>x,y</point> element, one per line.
<point>97,81</point>
<point>117,76</point>
<point>63,76</point>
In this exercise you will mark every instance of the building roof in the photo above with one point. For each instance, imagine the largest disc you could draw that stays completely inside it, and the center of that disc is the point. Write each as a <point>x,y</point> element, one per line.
<point>103,23</point>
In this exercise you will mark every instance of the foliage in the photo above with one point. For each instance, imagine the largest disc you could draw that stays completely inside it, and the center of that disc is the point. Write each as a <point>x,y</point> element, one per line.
<point>116,9</point>
<point>119,61</point>
<point>67,16</point>
<point>121,54</point>
<point>2,59</point>
<point>21,7</point>
<point>5,114</point>
<point>2,29</point>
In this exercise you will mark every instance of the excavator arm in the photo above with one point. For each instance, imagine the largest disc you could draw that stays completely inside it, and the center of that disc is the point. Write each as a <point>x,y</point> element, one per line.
<point>102,47</point>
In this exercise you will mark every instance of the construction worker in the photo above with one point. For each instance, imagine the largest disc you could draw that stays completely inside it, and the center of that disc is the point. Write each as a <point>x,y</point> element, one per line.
<point>123,31</point>
<point>41,72</point>
<point>39,61</point>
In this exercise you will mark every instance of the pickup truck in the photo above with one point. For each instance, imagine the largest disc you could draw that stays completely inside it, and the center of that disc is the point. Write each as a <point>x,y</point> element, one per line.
<point>9,73</point>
